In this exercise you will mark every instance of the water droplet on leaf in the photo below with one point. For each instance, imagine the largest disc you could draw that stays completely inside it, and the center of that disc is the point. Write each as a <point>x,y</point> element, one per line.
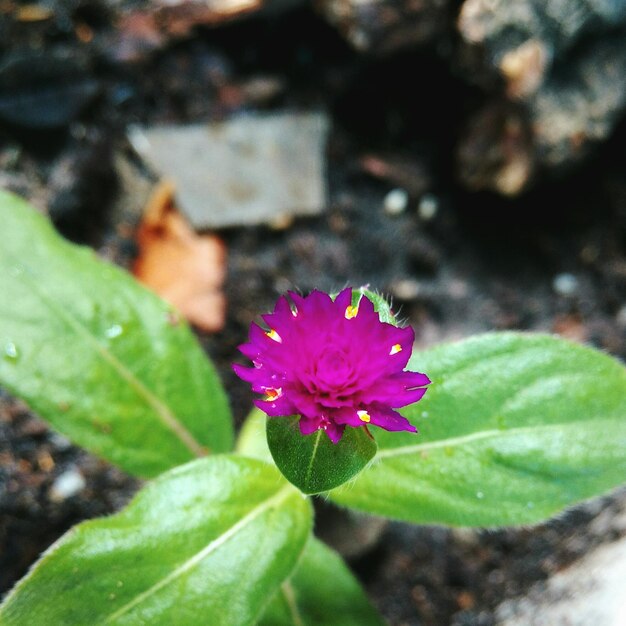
<point>11,353</point>
<point>114,331</point>
<point>480,495</point>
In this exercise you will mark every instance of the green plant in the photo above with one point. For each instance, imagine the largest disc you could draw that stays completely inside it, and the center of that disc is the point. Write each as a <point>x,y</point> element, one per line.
<point>513,429</point>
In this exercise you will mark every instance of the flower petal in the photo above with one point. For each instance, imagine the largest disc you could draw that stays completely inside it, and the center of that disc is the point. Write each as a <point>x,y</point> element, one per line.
<point>279,407</point>
<point>343,300</point>
<point>331,365</point>
<point>334,431</point>
<point>349,417</point>
<point>389,419</point>
<point>308,426</point>
<point>398,390</point>
<point>249,374</point>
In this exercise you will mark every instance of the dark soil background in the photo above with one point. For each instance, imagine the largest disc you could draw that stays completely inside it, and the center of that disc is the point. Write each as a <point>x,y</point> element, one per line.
<point>457,261</point>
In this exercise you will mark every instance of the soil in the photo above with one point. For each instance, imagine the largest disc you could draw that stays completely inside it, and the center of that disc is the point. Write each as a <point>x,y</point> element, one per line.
<point>455,263</point>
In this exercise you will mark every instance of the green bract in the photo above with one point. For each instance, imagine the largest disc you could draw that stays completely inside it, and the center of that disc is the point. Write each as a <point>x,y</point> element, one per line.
<point>313,463</point>
<point>381,306</point>
<point>514,428</point>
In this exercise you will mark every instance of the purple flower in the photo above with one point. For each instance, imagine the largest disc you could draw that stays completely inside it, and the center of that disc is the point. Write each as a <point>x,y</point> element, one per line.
<point>333,364</point>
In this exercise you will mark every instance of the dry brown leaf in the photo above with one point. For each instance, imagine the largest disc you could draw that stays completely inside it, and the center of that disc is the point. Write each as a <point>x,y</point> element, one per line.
<point>570,326</point>
<point>184,268</point>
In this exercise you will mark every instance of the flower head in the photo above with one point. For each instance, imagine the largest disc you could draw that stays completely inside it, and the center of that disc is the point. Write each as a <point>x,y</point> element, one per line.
<point>333,364</point>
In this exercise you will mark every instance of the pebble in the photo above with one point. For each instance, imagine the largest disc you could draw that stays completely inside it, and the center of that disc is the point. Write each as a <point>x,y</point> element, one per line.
<point>428,207</point>
<point>565,284</point>
<point>396,201</point>
<point>66,485</point>
<point>405,289</point>
<point>468,537</point>
<point>59,442</point>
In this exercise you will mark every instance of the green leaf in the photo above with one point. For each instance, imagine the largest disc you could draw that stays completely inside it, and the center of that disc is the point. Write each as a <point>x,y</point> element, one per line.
<point>321,592</point>
<point>101,358</point>
<point>206,543</point>
<point>312,462</point>
<point>513,429</point>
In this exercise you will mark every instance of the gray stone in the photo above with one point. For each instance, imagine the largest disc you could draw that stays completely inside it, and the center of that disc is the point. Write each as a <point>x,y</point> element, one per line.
<point>564,68</point>
<point>248,170</point>
<point>565,284</point>
<point>396,201</point>
<point>580,103</point>
<point>589,592</point>
<point>502,26</point>
<point>66,485</point>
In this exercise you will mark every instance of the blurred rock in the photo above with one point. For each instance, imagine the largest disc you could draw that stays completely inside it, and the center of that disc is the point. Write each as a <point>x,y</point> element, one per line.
<point>564,62</point>
<point>589,592</point>
<point>384,26</point>
<point>82,186</point>
<point>44,91</point>
<point>496,152</point>
<point>524,68</point>
<point>252,169</point>
<point>580,103</point>
<point>527,28</point>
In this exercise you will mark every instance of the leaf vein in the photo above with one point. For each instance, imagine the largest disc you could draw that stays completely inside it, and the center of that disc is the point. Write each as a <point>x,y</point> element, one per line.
<point>463,439</point>
<point>165,414</point>
<point>290,598</point>
<point>309,469</point>
<point>197,558</point>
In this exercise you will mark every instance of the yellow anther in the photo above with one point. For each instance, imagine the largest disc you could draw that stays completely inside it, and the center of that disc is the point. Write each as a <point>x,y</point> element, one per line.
<point>272,393</point>
<point>395,349</point>
<point>364,416</point>
<point>351,311</point>
<point>272,334</point>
